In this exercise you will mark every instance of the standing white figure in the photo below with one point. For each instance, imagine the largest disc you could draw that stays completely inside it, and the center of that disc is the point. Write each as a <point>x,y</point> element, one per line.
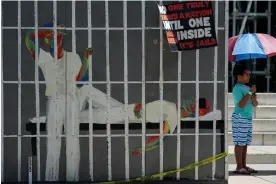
<point>63,105</point>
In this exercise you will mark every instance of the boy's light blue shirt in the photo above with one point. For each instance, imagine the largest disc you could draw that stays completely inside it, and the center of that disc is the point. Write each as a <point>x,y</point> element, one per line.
<point>239,92</point>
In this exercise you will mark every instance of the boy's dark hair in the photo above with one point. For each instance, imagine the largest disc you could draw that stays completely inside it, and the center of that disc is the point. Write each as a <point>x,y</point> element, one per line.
<point>239,69</point>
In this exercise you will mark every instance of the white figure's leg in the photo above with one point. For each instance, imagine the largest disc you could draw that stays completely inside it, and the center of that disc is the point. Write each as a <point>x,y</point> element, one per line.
<point>99,98</point>
<point>116,115</point>
<point>55,119</point>
<point>169,113</point>
<point>72,139</point>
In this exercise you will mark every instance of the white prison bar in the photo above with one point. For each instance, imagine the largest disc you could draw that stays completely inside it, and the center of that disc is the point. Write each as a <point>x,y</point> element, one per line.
<point>178,151</point>
<point>161,78</point>
<point>120,82</point>
<point>56,109</point>
<point>143,14</point>
<point>116,135</point>
<point>108,91</point>
<point>91,155</point>
<point>74,50</point>
<point>226,33</point>
<point>19,92</point>
<point>94,28</point>
<point>76,155</point>
<point>2,109</point>
<point>215,90</point>
<point>197,113</point>
<point>37,101</point>
<point>126,90</point>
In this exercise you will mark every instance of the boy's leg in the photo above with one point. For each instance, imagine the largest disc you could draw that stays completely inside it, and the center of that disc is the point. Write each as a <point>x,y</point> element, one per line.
<point>239,139</point>
<point>244,153</point>
<point>248,129</point>
<point>239,156</point>
<point>249,140</point>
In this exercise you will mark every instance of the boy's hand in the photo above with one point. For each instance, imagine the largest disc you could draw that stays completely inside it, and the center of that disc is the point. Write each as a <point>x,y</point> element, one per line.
<point>253,89</point>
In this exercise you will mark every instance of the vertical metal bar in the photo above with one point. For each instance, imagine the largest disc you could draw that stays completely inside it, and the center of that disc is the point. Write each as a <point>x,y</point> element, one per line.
<point>56,60</point>
<point>178,153</point>
<point>143,7</point>
<point>226,29</point>
<point>89,18</point>
<point>37,91</point>
<point>197,113</point>
<point>255,31</point>
<point>73,108</point>
<point>215,92</point>
<point>108,90</point>
<point>19,91</point>
<point>2,103</point>
<point>74,50</point>
<point>233,34</point>
<point>245,17</point>
<point>268,60</point>
<point>161,96</point>
<point>126,91</point>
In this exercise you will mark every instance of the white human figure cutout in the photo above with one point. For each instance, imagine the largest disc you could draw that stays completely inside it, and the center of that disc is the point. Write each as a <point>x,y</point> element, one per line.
<point>116,113</point>
<point>63,104</point>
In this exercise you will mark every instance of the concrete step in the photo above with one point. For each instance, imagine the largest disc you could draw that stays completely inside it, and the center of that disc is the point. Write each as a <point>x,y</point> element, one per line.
<point>260,125</point>
<point>255,155</point>
<point>262,111</point>
<point>263,98</point>
<point>259,139</point>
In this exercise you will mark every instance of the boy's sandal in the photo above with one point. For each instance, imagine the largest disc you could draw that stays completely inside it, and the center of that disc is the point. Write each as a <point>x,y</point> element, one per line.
<point>249,169</point>
<point>242,171</point>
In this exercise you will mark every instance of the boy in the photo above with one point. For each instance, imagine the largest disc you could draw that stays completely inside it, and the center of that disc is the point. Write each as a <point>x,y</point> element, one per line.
<point>245,100</point>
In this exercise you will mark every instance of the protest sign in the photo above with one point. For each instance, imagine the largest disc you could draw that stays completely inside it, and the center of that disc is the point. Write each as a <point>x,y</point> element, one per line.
<point>189,25</point>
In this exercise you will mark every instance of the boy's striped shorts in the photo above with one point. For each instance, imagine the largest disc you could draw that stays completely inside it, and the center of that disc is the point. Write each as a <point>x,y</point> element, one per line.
<point>241,129</point>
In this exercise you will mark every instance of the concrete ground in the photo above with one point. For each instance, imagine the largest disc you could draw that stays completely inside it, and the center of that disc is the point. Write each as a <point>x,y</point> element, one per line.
<point>266,175</point>
<point>261,156</point>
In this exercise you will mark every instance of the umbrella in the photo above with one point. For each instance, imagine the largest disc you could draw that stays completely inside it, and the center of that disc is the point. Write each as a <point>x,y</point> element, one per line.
<point>251,46</point>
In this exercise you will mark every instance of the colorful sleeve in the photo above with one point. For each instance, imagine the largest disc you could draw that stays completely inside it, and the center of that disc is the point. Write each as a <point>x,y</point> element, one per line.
<point>30,39</point>
<point>237,95</point>
<point>30,43</point>
<point>83,72</point>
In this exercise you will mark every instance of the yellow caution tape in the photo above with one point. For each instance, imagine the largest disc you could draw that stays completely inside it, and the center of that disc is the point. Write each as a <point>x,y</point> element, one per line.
<point>191,166</point>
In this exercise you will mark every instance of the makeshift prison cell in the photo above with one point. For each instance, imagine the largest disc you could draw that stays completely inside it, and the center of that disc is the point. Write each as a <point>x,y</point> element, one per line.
<point>131,63</point>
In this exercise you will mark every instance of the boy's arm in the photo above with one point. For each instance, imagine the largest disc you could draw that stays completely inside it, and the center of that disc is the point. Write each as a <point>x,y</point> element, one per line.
<point>244,101</point>
<point>239,99</point>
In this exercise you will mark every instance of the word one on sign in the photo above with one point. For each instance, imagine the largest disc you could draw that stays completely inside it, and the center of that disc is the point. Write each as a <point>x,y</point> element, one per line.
<point>189,25</point>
